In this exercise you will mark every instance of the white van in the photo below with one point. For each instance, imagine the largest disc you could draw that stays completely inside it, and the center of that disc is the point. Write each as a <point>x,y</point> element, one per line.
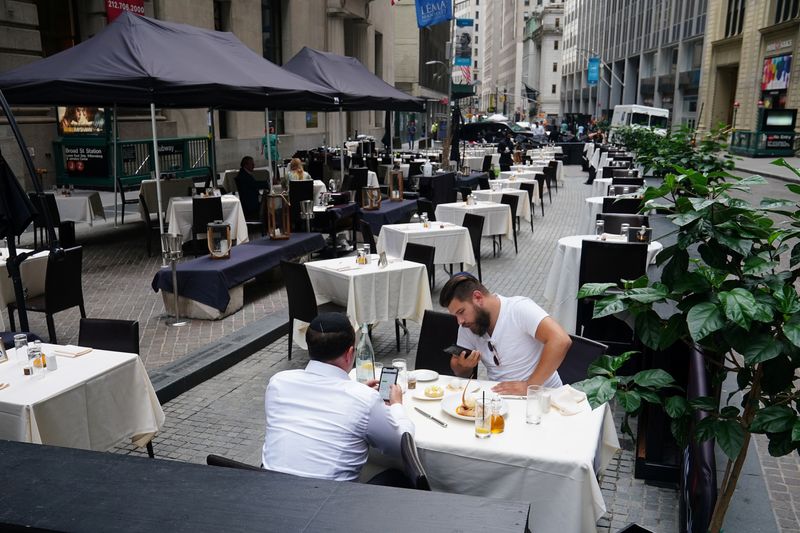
<point>640,116</point>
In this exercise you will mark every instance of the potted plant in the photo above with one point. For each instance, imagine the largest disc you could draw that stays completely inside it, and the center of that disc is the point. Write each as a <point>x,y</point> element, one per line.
<point>730,279</point>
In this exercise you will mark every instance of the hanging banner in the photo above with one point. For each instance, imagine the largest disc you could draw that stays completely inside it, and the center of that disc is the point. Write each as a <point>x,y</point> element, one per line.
<point>463,56</point>
<point>776,73</point>
<point>430,12</point>
<point>594,71</point>
<point>114,8</point>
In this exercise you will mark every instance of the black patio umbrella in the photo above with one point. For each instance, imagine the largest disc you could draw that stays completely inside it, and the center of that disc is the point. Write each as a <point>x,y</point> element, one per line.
<point>455,126</point>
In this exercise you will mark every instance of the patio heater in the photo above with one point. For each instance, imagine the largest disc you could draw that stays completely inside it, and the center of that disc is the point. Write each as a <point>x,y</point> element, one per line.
<point>172,246</point>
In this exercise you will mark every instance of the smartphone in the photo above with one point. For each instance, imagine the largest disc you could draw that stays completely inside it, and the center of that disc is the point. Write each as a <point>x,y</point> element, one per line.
<point>456,350</point>
<point>388,378</point>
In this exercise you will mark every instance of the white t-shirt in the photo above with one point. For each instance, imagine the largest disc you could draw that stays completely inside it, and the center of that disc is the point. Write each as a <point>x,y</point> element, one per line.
<point>514,340</point>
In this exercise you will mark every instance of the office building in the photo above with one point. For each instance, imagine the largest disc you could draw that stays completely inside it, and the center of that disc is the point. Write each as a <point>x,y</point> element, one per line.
<point>541,62</point>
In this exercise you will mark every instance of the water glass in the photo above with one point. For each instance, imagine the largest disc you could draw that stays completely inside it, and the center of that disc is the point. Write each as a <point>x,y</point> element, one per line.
<point>412,380</point>
<point>483,419</point>
<point>21,347</point>
<point>533,408</point>
<point>599,227</point>
<point>402,375</point>
<point>378,369</point>
<point>624,230</point>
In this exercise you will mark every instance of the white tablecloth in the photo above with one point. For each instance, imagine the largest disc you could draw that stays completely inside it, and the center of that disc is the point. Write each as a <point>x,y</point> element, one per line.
<point>552,465</point>
<point>80,207</point>
<point>33,271</point>
<point>600,186</point>
<point>95,402</point>
<point>474,162</point>
<point>561,289</point>
<point>586,224</point>
<point>496,217</point>
<point>523,205</point>
<point>169,189</point>
<point>515,184</point>
<point>519,174</point>
<point>369,293</point>
<point>179,215</point>
<point>452,242</point>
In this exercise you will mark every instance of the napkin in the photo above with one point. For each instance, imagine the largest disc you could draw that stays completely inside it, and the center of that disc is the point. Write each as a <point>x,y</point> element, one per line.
<point>569,401</point>
<point>72,351</point>
<point>613,237</point>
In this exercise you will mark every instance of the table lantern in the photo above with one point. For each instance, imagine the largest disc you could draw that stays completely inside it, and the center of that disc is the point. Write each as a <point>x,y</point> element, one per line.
<point>371,198</point>
<point>396,185</point>
<point>219,239</point>
<point>278,216</point>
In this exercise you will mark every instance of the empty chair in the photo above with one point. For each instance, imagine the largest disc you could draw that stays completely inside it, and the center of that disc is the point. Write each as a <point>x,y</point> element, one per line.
<point>530,188</point>
<point>414,168</point>
<point>300,295</point>
<point>512,201</point>
<point>109,334</point>
<point>426,206</point>
<point>62,289</point>
<point>483,182</point>
<point>218,460</point>
<point>411,463</point>
<point>66,230</point>
<point>299,190</point>
<point>612,222</point>
<point>580,355</point>
<point>629,206</point>
<point>122,200</point>
<point>421,253</point>
<point>487,163</point>
<point>150,225</point>
<point>623,173</point>
<point>358,180</point>
<point>204,210</point>
<point>474,224</point>
<point>540,183</point>
<point>465,191</point>
<point>438,331</point>
<point>367,237</point>
<point>616,190</point>
<point>554,165</point>
<point>638,182</point>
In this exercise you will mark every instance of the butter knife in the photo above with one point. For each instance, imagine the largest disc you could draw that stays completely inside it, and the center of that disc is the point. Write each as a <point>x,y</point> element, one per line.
<point>426,415</point>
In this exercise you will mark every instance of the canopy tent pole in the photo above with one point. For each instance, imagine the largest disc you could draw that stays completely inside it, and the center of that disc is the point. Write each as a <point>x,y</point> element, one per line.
<point>341,147</point>
<point>158,171</point>
<point>391,133</point>
<point>116,192</point>
<point>212,150</point>
<point>269,145</point>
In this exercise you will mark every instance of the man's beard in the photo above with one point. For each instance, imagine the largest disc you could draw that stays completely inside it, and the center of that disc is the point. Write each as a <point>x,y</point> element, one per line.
<point>481,324</point>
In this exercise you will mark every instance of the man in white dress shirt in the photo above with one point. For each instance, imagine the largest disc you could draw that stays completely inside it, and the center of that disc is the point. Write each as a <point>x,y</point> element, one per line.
<point>320,423</point>
<point>517,341</point>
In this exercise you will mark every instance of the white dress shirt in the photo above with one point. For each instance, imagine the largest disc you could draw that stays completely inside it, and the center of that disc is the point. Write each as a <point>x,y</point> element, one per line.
<point>320,423</point>
<point>514,341</point>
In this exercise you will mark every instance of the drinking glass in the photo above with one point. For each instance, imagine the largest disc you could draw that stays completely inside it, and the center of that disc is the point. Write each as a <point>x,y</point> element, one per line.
<point>624,229</point>
<point>21,347</point>
<point>483,419</point>
<point>599,227</point>
<point>378,369</point>
<point>402,375</point>
<point>533,408</point>
<point>412,380</point>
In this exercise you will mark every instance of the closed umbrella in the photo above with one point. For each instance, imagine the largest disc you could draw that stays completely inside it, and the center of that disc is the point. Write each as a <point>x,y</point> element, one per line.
<point>455,125</point>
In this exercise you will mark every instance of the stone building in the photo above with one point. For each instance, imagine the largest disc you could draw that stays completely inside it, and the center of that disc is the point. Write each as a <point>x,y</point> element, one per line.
<point>502,31</point>
<point>541,62</point>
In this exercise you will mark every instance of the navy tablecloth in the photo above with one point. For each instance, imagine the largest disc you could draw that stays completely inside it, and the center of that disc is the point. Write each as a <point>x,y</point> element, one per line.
<point>389,213</point>
<point>208,281</point>
<point>472,180</point>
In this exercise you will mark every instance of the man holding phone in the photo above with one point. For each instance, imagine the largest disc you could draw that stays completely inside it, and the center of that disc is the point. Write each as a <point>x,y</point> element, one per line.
<point>320,423</point>
<point>517,341</point>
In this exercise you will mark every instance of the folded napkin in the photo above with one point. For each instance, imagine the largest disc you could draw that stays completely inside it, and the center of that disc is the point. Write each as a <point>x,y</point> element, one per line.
<point>72,351</point>
<point>613,237</point>
<point>569,401</point>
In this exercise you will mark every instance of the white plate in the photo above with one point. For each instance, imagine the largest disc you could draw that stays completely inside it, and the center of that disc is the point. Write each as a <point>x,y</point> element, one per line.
<point>451,401</point>
<point>426,375</point>
<point>419,393</point>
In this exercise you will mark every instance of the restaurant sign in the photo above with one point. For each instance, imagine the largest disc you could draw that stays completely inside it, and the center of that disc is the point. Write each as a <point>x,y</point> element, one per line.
<point>86,161</point>
<point>114,8</point>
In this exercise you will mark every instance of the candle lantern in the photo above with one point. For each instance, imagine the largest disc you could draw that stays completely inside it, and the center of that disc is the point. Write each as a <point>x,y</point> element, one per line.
<point>278,216</point>
<point>396,185</point>
<point>218,234</point>
<point>371,198</point>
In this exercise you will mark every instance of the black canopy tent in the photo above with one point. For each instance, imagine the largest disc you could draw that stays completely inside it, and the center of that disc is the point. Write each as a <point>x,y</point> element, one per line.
<point>138,61</point>
<point>356,88</point>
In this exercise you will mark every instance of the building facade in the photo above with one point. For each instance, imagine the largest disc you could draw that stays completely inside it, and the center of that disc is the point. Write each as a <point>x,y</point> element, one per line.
<point>503,28</point>
<point>276,29</point>
<point>747,63</point>
<point>541,61</point>
<point>651,52</point>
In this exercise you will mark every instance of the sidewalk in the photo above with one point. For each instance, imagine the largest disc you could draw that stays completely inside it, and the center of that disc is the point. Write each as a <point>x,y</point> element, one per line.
<point>763,166</point>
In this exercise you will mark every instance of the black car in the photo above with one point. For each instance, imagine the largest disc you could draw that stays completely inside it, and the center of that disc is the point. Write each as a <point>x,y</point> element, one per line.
<point>494,132</point>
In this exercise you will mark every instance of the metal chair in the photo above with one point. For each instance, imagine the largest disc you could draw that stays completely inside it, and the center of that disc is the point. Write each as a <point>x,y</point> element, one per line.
<point>438,331</point>
<point>474,224</point>
<point>420,253</point>
<point>580,355</point>
<point>540,183</point>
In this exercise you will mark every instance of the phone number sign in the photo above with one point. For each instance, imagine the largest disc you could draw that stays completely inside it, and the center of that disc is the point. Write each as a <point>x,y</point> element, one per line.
<point>114,8</point>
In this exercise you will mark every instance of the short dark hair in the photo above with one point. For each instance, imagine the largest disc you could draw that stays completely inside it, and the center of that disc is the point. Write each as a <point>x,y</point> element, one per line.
<point>245,159</point>
<point>460,287</point>
<point>328,343</point>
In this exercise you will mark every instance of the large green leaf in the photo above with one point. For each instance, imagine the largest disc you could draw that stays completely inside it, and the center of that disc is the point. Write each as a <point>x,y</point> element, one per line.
<point>649,327</point>
<point>690,282</point>
<point>704,403</point>
<point>730,437</point>
<point>753,180</point>
<point>594,289</point>
<point>738,245</point>
<point>676,406</point>
<point>788,301</point>
<point>703,319</point>
<point>773,419</point>
<point>654,377</point>
<point>759,348</point>
<point>607,365</point>
<point>608,306</point>
<point>739,306</point>
<point>647,295</point>
<point>792,332</point>
<point>598,390</point>
<point>776,203</point>
<point>630,401</point>
<point>684,219</point>
<point>755,265</point>
<point>796,431</point>
<point>780,444</point>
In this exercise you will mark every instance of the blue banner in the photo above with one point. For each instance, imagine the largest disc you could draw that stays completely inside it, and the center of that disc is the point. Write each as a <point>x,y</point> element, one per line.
<point>463,53</point>
<point>430,12</point>
<point>594,71</point>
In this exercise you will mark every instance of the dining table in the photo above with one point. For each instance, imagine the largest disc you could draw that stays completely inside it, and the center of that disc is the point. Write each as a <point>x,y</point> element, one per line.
<point>600,186</point>
<point>452,242</point>
<point>80,206</point>
<point>523,204</point>
<point>370,293</point>
<point>32,271</point>
<point>179,217</point>
<point>496,217</point>
<point>561,288</point>
<point>94,401</point>
<point>170,188</point>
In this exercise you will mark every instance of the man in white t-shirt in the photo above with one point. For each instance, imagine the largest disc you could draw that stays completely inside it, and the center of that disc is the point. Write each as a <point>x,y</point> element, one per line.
<point>517,341</point>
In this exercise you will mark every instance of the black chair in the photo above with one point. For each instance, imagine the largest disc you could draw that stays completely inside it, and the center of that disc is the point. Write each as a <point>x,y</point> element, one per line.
<point>204,210</point>
<point>540,185</point>
<point>299,191</point>
<point>554,165</point>
<point>150,225</point>
<point>218,460</point>
<point>613,221</point>
<point>616,190</point>
<point>630,206</point>
<point>550,179</point>
<point>124,201</point>
<point>487,163</point>
<point>623,173</point>
<point>411,463</point>
<point>414,168</point>
<point>512,201</point>
<point>580,355</point>
<point>465,191</point>
<point>638,182</point>
<point>438,331</point>
<point>426,206</point>
<point>483,182</point>
<point>367,236</point>
<point>357,181</point>
<point>530,188</point>
<point>66,230</point>
<point>300,295</point>
<point>109,334</point>
<point>474,224</point>
<point>420,253</point>
<point>608,262</point>
<point>62,289</point>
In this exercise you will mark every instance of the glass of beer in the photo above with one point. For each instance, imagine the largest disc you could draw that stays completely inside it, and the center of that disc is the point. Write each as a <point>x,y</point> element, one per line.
<point>483,418</point>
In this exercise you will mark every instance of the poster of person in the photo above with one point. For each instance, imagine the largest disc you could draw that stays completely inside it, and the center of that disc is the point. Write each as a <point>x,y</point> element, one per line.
<point>463,55</point>
<point>77,120</point>
<point>776,73</point>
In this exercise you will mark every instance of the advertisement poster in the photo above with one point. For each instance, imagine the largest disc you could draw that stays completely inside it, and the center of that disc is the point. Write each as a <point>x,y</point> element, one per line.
<point>431,12</point>
<point>776,73</point>
<point>86,161</point>
<point>81,121</point>
<point>594,71</point>
<point>463,55</point>
<point>114,8</point>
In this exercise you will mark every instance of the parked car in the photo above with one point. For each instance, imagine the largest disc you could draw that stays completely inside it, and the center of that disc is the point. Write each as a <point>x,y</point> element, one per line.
<point>494,132</point>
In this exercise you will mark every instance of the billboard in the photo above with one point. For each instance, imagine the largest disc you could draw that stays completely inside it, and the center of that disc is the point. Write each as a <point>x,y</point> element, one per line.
<point>776,72</point>
<point>81,121</point>
<point>463,54</point>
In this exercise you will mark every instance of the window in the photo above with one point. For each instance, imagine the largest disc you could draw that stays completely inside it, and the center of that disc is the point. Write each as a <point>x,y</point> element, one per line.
<point>476,30</point>
<point>476,15</point>
<point>476,63</point>
<point>555,67</point>
<point>555,45</point>
<point>553,89</point>
<point>786,10</point>
<point>558,22</point>
<point>271,39</point>
<point>734,18</point>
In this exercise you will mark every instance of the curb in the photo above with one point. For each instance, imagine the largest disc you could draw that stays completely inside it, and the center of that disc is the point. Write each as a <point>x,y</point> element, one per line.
<point>786,179</point>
